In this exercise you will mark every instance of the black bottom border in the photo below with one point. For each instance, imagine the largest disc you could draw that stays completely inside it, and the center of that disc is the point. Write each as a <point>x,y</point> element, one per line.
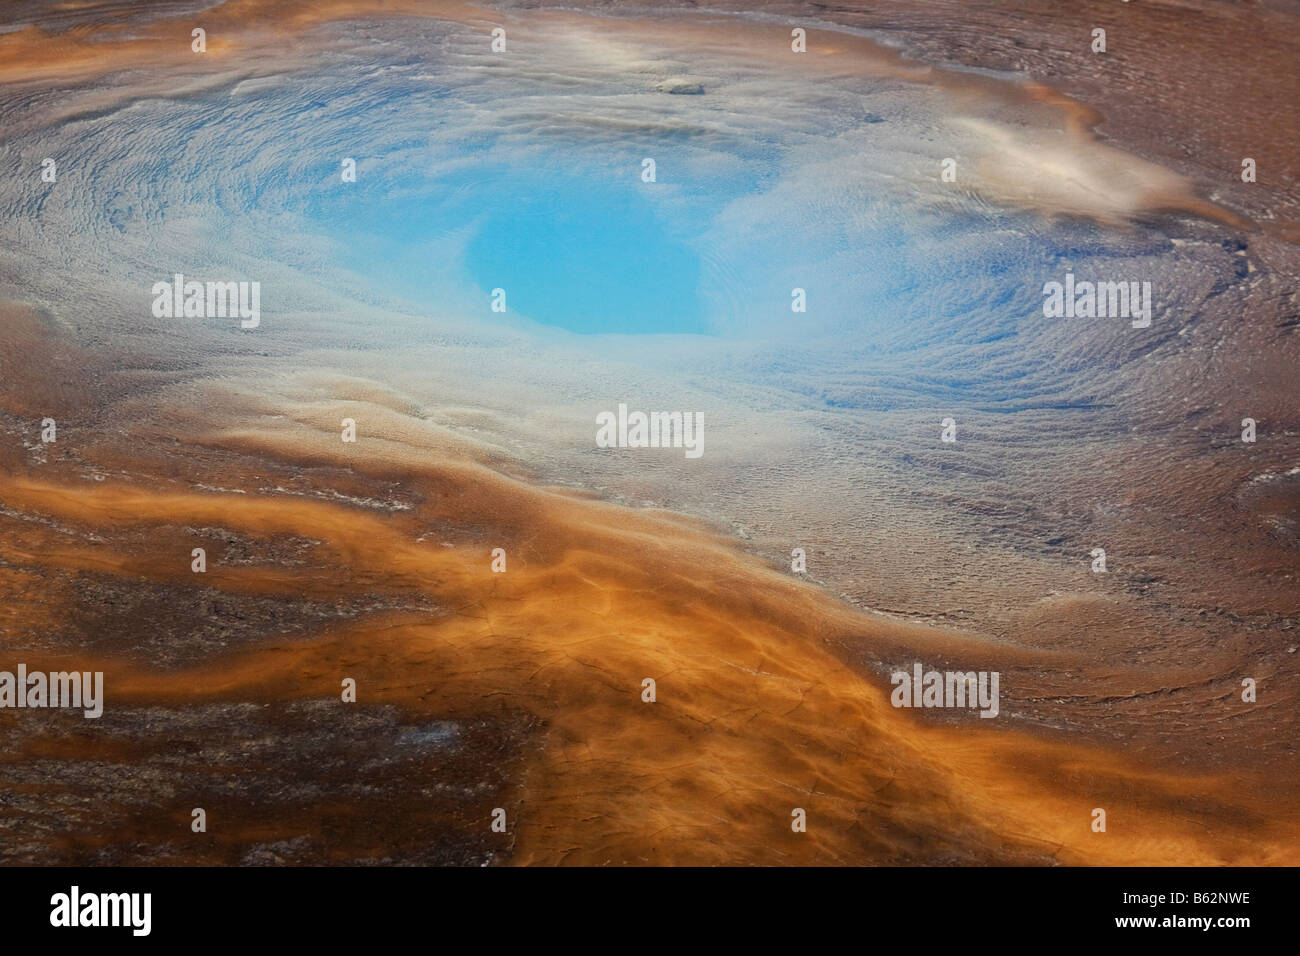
<point>913,906</point>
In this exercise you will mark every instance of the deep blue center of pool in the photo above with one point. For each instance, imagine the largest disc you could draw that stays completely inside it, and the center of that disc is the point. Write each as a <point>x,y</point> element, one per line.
<point>589,260</point>
<point>587,255</point>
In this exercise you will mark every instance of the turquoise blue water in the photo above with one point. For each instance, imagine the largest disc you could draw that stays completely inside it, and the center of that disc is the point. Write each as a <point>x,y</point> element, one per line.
<point>589,259</point>
<point>595,250</point>
<point>584,253</point>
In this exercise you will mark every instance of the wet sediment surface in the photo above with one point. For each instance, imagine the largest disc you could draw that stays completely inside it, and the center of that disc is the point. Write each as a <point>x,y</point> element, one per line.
<point>521,691</point>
